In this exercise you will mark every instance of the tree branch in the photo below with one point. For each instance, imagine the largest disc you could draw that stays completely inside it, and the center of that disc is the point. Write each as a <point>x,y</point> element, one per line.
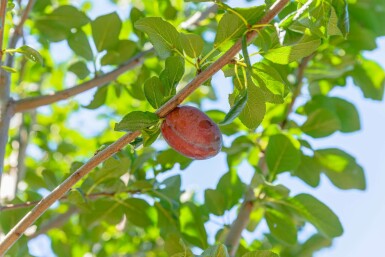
<point>35,102</point>
<point>243,217</point>
<point>23,140</point>
<point>58,192</point>
<point>5,110</point>
<point>3,13</point>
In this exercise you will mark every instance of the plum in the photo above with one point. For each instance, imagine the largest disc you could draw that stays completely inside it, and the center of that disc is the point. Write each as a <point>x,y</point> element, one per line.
<point>192,133</point>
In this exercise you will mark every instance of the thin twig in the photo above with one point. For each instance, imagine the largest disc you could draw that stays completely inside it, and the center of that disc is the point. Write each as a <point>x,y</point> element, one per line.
<point>18,230</point>
<point>34,102</point>
<point>3,13</point>
<point>297,87</point>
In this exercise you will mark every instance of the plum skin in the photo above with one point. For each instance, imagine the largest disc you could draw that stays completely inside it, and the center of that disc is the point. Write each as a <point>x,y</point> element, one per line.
<point>192,133</point>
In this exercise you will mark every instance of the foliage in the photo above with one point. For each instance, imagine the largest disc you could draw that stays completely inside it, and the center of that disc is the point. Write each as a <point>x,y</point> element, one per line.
<point>134,204</point>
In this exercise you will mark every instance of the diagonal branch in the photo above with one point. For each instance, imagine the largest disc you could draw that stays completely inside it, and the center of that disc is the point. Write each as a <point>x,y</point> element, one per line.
<point>18,230</point>
<point>34,102</point>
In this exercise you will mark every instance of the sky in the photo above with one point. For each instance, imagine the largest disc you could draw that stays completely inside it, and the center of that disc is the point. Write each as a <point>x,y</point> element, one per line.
<point>361,212</point>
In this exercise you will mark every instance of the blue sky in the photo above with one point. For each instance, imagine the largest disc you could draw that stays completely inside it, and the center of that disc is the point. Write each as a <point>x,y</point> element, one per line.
<point>361,213</point>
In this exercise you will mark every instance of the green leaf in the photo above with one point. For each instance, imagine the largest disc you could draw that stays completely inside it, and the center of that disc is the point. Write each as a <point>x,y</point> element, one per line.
<point>135,15</point>
<point>281,226</point>
<point>10,5</point>
<point>172,74</point>
<point>239,150</point>
<point>50,32</point>
<point>50,179</point>
<point>80,69</point>
<point>270,80</point>
<point>66,16</point>
<point>150,135</point>
<point>255,108</point>
<point>341,168</point>
<point>139,212</point>
<point>282,153</point>
<point>238,106</point>
<point>345,111</point>
<point>192,225</point>
<point>175,247</point>
<point>57,25</point>
<point>77,196</point>
<point>171,187</point>
<point>168,220</point>
<point>231,27</point>
<point>216,250</point>
<point>79,43</point>
<point>170,157</point>
<point>309,171</point>
<point>192,44</point>
<point>99,99</point>
<point>231,188</point>
<point>155,92</point>
<point>112,169</point>
<point>123,50</point>
<point>106,30</point>
<point>341,10</point>
<point>321,123</point>
<point>136,89</point>
<point>137,120</point>
<point>215,202</point>
<point>30,53</point>
<point>8,69</point>
<point>313,244</point>
<point>288,54</point>
<point>261,253</point>
<point>255,218</point>
<point>104,209</point>
<point>318,214</point>
<point>370,78</point>
<point>162,34</point>
<point>332,28</point>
